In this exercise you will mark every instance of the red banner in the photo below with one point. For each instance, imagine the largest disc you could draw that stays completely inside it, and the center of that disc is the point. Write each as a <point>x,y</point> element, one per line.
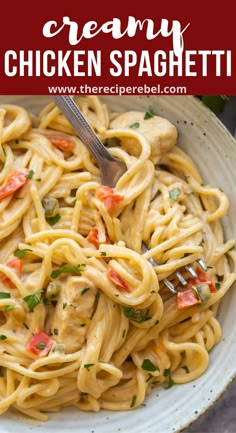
<point>153,48</point>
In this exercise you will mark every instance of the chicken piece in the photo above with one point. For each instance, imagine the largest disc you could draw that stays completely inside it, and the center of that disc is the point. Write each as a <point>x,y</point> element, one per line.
<point>73,312</point>
<point>159,132</point>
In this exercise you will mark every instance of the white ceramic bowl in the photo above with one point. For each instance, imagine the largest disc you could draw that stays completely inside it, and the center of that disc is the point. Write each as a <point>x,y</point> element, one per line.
<point>213,149</point>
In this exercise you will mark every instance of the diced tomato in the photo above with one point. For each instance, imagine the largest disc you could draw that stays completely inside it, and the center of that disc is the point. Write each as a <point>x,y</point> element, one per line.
<point>108,196</point>
<point>40,344</point>
<point>13,182</point>
<point>187,299</point>
<point>93,238</point>
<point>115,278</point>
<point>202,277</point>
<point>17,266</point>
<point>63,143</point>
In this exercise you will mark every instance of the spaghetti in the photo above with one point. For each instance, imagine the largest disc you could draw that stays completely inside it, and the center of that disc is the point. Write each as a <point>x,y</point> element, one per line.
<point>85,319</point>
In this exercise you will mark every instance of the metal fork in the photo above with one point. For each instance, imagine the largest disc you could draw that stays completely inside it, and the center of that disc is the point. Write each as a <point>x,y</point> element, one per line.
<point>111,168</point>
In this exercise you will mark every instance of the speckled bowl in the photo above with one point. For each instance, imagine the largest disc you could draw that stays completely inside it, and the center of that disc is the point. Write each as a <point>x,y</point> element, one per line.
<point>212,147</point>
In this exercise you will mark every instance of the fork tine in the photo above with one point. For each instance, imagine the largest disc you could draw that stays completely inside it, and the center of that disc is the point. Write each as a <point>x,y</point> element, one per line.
<point>202,264</point>
<point>180,277</point>
<point>169,286</point>
<point>191,271</point>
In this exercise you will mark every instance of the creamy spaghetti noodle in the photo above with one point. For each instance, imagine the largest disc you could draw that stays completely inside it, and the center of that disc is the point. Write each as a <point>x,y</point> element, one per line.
<point>85,318</point>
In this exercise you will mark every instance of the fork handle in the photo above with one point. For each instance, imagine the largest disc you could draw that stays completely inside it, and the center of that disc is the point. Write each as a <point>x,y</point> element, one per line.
<point>83,129</point>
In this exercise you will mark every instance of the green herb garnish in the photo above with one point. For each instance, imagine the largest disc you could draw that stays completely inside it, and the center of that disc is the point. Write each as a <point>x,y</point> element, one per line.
<point>3,337</point>
<point>9,308</point>
<point>149,366</point>
<point>4,295</point>
<point>1,371</point>
<point>148,115</point>
<point>21,253</point>
<point>87,366</point>
<point>30,174</point>
<point>170,383</point>
<point>185,367</point>
<point>103,253</point>
<point>217,286</point>
<point>73,192</point>
<point>54,219</point>
<point>84,290</point>
<point>174,193</point>
<point>136,315</point>
<point>134,125</point>
<point>133,401</point>
<point>40,346</point>
<point>67,270</point>
<point>150,376</point>
<point>32,300</point>
<point>25,325</point>
<point>55,330</point>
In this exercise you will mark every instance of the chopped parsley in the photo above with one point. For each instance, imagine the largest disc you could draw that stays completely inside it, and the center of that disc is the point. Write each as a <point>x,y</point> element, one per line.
<point>18,198</point>
<point>185,367</point>
<point>54,219</point>
<point>21,253</point>
<point>25,325</point>
<point>40,346</point>
<point>133,401</point>
<point>38,179</point>
<point>186,178</point>
<point>47,301</point>
<point>123,333</point>
<point>55,331</point>
<point>87,366</point>
<point>32,300</point>
<point>175,193</point>
<point>148,115</point>
<point>64,305</point>
<point>149,366</point>
<point>4,295</point>
<point>97,296</point>
<point>136,315</point>
<point>83,394</point>
<point>67,270</point>
<point>30,174</point>
<point>1,371</point>
<point>170,383</point>
<point>134,125</point>
<point>73,192</point>
<point>157,322</point>
<point>150,376</point>
<point>9,308</point>
<point>103,253</point>
<point>84,290</point>
<point>3,337</point>
<point>217,286</point>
